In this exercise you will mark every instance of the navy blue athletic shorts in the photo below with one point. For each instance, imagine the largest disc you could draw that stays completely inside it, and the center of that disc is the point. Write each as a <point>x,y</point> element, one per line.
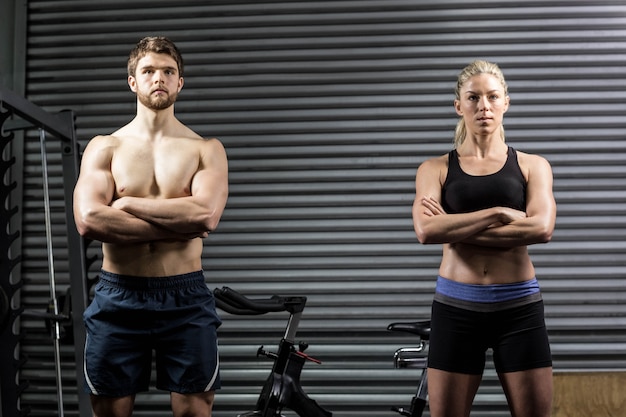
<point>462,330</point>
<point>130,317</point>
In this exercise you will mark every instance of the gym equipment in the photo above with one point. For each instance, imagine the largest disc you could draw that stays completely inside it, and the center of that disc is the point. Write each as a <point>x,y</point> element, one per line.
<point>18,114</point>
<point>414,358</point>
<point>282,388</point>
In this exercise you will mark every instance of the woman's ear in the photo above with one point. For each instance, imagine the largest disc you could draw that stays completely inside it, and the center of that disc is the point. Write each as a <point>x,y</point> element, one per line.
<point>457,107</point>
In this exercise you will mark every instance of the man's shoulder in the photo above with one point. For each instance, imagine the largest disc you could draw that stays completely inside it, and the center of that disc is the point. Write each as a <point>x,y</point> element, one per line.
<point>203,141</point>
<point>186,132</point>
<point>103,141</point>
<point>213,148</point>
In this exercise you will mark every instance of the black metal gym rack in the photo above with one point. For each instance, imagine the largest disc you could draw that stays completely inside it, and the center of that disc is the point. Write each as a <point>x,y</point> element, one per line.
<point>18,114</point>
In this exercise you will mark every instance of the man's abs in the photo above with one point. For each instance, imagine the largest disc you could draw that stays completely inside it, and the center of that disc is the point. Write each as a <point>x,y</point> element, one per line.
<point>153,259</point>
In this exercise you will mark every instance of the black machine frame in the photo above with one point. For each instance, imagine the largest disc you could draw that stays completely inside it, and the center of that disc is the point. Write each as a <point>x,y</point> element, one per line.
<point>17,114</point>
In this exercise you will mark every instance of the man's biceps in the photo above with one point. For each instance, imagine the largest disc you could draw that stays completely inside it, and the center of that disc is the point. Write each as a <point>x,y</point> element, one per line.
<point>94,189</point>
<point>209,189</point>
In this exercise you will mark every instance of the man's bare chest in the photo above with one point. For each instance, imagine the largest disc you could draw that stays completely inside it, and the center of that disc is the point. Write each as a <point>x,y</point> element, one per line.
<point>163,171</point>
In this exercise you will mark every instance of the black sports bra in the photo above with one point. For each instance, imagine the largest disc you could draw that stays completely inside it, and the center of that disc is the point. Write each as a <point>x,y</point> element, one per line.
<point>464,193</point>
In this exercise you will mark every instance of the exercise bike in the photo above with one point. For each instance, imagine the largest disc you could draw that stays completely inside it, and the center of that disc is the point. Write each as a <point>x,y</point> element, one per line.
<point>414,358</point>
<point>282,388</point>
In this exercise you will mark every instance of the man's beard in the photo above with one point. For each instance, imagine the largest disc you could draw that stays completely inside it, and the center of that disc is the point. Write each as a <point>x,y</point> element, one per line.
<point>157,102</point>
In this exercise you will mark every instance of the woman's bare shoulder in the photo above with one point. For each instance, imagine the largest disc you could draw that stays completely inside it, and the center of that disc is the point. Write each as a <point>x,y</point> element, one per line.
<point>435,163</point>
<point>533,165</point>
<point>531,160</point>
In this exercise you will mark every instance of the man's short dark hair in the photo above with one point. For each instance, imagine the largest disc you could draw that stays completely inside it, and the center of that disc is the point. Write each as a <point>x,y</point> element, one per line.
<point>156,44</point>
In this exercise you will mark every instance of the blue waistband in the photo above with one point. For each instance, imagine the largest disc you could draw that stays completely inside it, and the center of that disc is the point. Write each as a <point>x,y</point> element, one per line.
<point>491,293</point>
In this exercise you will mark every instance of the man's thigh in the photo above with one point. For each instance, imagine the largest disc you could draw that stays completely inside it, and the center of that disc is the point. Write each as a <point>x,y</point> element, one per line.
<point>112,406</point>
<point>199,405</point>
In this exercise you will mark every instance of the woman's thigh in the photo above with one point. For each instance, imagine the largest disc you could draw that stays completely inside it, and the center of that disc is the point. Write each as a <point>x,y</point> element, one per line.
<point>451,394</point>
<point>529,393</point>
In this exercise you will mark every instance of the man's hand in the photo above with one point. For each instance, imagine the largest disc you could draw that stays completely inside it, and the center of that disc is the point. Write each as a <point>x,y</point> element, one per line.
<point>118,204</point>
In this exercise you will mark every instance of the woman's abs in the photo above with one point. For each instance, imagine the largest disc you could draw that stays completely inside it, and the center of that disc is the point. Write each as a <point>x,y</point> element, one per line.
<point>481,265</point>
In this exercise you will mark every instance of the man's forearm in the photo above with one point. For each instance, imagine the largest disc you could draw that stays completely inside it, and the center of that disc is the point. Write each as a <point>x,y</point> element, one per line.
<point>115,226</point>
<point>180,215</point>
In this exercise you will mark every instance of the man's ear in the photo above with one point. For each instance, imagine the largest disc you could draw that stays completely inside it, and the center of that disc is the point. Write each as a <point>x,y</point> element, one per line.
<point>181,82</point>
<point>132,83</point>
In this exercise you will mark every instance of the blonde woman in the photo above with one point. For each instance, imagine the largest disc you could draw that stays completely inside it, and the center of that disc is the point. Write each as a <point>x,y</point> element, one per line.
<point>486,202</point>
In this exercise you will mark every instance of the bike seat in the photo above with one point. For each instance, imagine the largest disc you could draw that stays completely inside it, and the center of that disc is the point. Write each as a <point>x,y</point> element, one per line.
<point>420,328</point>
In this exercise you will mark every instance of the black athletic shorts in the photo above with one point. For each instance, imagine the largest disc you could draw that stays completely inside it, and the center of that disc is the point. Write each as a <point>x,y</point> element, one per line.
<point>460,338</point>
<point>130,317</point>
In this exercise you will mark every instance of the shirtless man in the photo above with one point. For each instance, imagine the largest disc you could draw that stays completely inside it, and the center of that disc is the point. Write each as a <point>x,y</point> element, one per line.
<point>150,192</point>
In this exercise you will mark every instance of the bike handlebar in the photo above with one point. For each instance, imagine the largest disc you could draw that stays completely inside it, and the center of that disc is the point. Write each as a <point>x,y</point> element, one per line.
<point>234,302</point>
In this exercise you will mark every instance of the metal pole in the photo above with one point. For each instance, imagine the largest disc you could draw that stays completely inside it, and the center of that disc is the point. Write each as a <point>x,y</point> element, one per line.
<point>78,259</point>
<point>53,297</point>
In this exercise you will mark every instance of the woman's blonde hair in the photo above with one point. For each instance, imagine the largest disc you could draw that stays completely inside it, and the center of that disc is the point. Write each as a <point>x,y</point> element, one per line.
<point>475,68</point>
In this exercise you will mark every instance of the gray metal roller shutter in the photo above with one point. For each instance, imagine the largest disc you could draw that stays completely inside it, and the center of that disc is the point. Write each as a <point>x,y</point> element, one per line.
<point>326,109</point>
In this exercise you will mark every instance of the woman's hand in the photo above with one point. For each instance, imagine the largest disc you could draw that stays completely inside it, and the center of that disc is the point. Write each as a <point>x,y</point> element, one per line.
<point>432,207</point>
<point>508,215</point>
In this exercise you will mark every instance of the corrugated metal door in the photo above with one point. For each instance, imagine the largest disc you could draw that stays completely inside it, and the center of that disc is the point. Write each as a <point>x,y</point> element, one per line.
<point>326,109</point>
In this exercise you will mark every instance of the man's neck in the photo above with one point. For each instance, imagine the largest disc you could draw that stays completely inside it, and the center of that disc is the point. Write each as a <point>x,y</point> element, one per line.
<point>155,122</point>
